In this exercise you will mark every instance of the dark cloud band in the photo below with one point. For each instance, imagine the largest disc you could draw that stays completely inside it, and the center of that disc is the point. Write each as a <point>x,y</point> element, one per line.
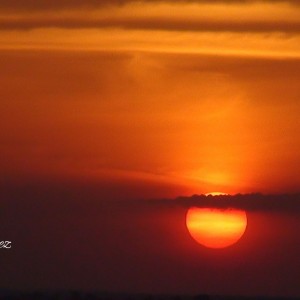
<point>17,5</point>
<point>151,24</point>
<point>249,202</point>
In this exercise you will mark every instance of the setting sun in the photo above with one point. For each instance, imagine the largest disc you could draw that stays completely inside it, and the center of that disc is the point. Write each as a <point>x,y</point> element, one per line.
<point>216,228</point>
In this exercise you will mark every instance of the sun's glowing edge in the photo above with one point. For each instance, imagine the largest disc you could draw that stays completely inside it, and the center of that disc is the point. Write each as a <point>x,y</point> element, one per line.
<point>216,194</point>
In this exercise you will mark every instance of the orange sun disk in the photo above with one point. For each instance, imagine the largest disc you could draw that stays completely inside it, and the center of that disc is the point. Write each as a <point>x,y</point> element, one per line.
<point>216,228</point>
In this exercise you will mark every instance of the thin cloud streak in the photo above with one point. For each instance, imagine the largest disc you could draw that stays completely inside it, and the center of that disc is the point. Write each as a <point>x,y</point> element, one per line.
<point>164,16</point>
<point>35,5</point>
<point>150,24</point>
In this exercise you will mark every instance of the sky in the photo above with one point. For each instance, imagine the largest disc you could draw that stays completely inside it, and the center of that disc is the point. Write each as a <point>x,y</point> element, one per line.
<point>106,104</point>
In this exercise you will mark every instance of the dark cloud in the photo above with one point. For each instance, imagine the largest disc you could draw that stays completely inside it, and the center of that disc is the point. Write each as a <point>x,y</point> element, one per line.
<point>67,4</point>
<point>251,202</point>
<point>151,24</point>
<point>113,194</point>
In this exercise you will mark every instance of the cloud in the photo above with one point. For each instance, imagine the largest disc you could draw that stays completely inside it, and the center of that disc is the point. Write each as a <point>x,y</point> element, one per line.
<point>152,23</point>
<point>148,15</point>
<point>249,202</point>
<point>262,16</point>
<point>17,5</point>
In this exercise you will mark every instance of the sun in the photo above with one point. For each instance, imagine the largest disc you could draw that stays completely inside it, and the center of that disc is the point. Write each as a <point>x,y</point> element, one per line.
<point>216,228</point>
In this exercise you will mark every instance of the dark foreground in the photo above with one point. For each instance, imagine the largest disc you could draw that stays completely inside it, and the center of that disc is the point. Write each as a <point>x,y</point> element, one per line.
<point>76,295</point>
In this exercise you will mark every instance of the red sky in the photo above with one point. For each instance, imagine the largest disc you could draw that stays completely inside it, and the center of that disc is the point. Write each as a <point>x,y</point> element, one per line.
<point>123,100</point>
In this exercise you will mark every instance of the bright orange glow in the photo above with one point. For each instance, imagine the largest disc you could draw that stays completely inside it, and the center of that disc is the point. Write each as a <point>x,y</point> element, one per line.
<point>216,228</point>
<point>215,194</point>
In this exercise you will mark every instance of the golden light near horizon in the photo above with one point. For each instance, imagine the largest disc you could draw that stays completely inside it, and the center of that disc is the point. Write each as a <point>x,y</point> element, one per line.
<point>216,228</point>
<point>215,194</point>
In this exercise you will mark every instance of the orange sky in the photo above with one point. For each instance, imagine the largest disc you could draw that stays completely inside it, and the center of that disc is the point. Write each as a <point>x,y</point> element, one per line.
<point>105,104</point>
<point>202,96</point>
